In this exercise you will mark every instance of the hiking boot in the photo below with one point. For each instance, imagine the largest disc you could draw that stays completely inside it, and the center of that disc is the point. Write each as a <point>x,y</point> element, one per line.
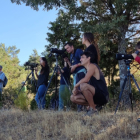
<point>79,110</point>
<point>98,107</point>
<point>91,112</point>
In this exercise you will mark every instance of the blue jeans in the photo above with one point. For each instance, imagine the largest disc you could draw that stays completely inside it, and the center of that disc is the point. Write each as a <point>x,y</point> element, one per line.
<point>40,99</point>
<point>61,91</point>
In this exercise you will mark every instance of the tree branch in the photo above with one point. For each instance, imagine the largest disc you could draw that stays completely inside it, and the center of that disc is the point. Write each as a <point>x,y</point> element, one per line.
<point>135,22</point>
<point>137,32</point>
<point>135,19</point>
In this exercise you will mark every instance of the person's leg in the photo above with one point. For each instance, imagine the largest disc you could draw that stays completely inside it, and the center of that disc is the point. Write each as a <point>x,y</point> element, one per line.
<point>37,100</point>
<point>40,99</point>
<point>88,92</point>
<point>79,76</point>
<point>61,104</point>
<point>43,97</point>
<point>79,99</point>
<point>0,94</point>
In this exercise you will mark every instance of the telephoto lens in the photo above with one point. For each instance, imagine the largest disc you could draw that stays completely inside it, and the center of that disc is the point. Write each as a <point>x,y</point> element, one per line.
<point>55,50</point>
<point>120,56</point>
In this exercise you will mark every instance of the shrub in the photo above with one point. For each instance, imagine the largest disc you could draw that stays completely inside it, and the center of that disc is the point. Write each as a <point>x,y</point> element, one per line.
<point>66,98</point>
<point>33,105</point>
<point>22,101</point>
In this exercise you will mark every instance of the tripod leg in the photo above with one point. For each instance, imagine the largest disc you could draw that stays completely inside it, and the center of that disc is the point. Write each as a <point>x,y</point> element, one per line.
<point>135,82</point>
<point>120,95</point>
<point>34,80</point>
<point>25,82</point>
<point>56,91</point>
<point>130,93</point>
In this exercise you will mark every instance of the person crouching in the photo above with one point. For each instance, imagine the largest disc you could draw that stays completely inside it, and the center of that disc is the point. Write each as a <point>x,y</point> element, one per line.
<point>93,90</point>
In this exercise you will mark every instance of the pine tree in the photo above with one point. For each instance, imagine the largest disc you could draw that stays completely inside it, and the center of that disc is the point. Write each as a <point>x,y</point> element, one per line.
<point>11,67</point>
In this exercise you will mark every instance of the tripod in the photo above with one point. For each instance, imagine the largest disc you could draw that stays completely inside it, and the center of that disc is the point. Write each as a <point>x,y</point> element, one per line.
<point>55,71</point>
<point>127,77</point>
<point>32,79</point>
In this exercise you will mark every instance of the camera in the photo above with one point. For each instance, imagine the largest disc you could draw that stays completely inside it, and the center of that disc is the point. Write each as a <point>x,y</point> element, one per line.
<point>32,65</point>
<point>55,50</point>
<point>64,55</point>
<point>120,56</point>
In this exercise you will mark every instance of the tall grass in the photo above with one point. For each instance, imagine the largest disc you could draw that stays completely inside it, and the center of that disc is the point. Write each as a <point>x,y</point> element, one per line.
<point>49,125</point>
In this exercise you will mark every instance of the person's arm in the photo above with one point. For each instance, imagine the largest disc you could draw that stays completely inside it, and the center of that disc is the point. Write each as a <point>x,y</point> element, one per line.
<point>69,63</point>
<point>67,60</point>
<point>74,67</point>
<point>87,77</point>
<point>60,72</point>
<point>135,56</point>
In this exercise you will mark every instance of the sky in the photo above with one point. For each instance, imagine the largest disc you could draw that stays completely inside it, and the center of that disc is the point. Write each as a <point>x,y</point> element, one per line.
<point>24,28</point>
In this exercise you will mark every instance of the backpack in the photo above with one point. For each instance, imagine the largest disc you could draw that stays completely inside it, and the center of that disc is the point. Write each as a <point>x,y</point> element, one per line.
<point>5,81</point>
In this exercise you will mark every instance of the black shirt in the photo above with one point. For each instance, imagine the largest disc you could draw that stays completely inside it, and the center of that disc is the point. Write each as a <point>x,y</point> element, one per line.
<point>93,50</point>
<point>43,78</point>
<point>100,84</point>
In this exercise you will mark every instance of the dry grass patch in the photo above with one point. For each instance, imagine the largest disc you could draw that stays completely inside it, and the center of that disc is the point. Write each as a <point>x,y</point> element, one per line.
<point>43,125</point>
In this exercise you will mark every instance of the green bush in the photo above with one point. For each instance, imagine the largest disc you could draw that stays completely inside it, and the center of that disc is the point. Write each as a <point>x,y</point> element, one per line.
<point>48,99</point>
<point>66,98</point>
<point>33,105</point>
<point>22,101</point>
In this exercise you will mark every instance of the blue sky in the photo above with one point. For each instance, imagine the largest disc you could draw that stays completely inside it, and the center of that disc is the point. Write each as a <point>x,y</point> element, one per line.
<point>24,28</point>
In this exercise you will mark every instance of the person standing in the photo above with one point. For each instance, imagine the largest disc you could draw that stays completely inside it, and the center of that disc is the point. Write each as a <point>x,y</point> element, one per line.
<point>93,89</point>
<point>77,70</point>
<point>42,83</point>
<point>2,77</point>
<point>64,83</point>
<point>88,41</point>
<point>91,46</point>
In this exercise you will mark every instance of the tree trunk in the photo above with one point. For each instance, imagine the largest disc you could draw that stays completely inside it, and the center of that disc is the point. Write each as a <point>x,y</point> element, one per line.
<point>122,66</point>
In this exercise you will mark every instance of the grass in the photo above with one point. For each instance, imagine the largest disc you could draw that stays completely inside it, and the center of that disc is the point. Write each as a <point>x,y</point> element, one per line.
<point>48,125</point>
